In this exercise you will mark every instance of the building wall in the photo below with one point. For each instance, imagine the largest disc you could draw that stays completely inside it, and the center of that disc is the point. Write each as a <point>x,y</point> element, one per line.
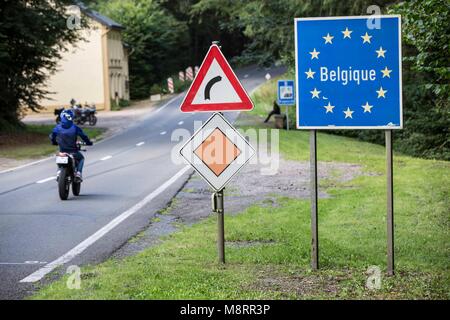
<point>118,66</point>
<point>80,73</point>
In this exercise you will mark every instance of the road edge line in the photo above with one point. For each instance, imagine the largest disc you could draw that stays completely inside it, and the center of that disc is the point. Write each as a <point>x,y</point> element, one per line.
<point>40,273</point>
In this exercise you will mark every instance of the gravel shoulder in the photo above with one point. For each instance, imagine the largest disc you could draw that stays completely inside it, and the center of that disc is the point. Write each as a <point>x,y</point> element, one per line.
<point>249,187</point>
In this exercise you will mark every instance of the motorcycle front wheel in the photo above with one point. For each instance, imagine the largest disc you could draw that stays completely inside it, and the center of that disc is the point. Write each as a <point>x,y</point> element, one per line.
<point>92,120</point>
<point>76,187</point>
<point>63,184</point>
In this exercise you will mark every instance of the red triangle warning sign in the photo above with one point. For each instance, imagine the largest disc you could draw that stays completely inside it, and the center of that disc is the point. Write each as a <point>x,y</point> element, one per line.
<point>216,87</point>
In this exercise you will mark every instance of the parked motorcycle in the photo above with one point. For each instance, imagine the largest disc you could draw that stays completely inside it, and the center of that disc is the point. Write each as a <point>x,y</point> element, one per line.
<point>85,114</point>
<point>66,174</point>
<point>82,115</point>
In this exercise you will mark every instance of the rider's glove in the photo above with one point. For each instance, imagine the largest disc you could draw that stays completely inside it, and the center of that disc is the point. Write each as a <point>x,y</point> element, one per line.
<point>89,143</point>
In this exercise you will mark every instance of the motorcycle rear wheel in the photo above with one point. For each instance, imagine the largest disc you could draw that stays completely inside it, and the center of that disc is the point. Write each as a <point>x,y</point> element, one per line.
<point>63,184</point>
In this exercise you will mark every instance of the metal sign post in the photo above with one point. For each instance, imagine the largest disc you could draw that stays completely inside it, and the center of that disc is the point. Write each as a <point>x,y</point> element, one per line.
<point>218,207</point>
<point>314,202</point>
<point>287,118</point>
<point>390,204</point>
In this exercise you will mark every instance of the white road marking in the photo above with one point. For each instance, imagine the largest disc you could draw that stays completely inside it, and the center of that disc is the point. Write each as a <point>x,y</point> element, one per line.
<point>96,143</point>
<point>22,263</point>
<point>168,102</point>
<point>105,158</point>
<point>46,179</point>
<point>26,165</point>
<point>246,76</point>
<point>40,273</point>
<point>140,144</point>
<point>180,123</point>
<point>163,133</point>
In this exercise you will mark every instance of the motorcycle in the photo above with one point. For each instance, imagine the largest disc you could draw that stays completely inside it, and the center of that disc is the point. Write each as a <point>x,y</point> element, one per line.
<point>82,115</point>
<point>66,173</point>
<point>86,114</point>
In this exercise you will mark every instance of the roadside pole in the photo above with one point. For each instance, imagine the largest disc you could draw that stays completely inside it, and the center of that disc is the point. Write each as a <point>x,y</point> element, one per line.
<point>218,207</point>
<point>314,202</point>
<point>390,204</point>
<point>287,118</point>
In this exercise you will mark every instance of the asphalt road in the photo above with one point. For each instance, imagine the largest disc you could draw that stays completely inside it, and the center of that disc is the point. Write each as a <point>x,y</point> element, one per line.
<point>127,179</point>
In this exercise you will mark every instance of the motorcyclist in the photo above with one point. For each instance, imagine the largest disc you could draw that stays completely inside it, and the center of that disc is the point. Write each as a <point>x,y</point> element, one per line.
<point>65,135</point>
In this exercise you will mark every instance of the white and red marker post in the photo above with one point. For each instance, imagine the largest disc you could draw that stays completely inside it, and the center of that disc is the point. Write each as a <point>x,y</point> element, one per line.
<point>170,85</point>
<point>181,76</point>
<point>189,74</point>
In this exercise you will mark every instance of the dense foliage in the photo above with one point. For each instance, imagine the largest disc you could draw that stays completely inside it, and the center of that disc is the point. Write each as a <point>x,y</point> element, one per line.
<point>426,78</point>
<point>168,35</point>
<point>157,39</point>
<point>32,36</point>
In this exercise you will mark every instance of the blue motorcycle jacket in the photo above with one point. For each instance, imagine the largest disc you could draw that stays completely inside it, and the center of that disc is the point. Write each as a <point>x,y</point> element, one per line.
<point>65,135</point>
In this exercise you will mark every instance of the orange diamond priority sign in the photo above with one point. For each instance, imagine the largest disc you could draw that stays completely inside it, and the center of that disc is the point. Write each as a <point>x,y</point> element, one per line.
<point>217,151</point>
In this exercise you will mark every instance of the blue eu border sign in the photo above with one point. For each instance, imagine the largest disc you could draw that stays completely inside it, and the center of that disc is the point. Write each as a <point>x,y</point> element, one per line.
<point>286,92</point>
<point>349,76</point>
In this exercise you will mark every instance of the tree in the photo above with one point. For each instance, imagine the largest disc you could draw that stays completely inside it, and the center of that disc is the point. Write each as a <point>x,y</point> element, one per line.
<point>33,34</point>
<point>158,41</point>
<point>426,26</point>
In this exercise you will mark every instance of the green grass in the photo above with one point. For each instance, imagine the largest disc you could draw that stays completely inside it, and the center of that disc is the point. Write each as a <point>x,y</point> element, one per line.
<point>275,263</point>
<point>33,142</point>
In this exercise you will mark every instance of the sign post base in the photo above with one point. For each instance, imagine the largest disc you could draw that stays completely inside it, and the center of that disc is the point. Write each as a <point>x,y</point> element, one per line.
<point>218,207</point>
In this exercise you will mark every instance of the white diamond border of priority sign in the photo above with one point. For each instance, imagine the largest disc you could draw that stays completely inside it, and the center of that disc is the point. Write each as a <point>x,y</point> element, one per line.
<point>331,51</point>
<point>217,121</point>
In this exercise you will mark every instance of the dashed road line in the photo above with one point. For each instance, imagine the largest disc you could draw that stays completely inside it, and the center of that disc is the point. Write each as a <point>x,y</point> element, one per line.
<point>45,180</point>
<point>106,158</point>
<point>140,144</point>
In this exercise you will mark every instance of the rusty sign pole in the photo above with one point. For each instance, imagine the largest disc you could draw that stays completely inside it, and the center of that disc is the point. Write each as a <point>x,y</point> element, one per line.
<point>314,202</point>
<point>390,204</point>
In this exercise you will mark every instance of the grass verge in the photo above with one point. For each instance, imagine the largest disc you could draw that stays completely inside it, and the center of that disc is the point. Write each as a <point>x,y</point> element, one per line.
<point>33,141</point>
<point>268,249</point>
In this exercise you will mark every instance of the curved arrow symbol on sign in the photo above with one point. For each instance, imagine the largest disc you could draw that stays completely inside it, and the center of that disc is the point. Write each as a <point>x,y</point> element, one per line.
<point>209,85</point>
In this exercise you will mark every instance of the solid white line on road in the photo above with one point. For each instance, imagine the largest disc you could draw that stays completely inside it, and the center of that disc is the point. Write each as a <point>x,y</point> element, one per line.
<point>40,273</point>
<point>26,165</point>
<point>180,123</point>
<point>46,179</point>
<point>22,263</point>
<point>96,143</point>
<point>140,144</point>
<point>168,102</point>
<point>106,158</point>
<point>163,133</point>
